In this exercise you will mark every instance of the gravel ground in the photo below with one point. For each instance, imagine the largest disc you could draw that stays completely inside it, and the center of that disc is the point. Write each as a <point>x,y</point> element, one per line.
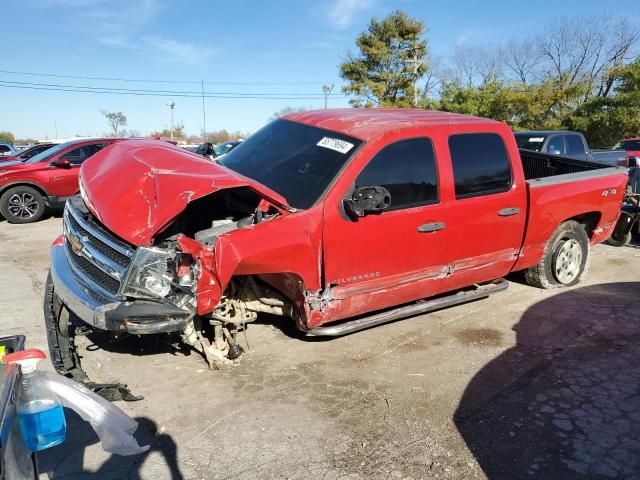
<point>526,384</point>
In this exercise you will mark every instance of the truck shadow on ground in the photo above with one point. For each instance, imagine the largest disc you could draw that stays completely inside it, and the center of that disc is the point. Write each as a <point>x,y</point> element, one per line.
<point>563,403</point>
<point>73,459</point>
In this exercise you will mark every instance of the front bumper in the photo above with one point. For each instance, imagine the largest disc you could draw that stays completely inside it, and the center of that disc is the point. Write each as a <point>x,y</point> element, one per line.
<point>106,312</point>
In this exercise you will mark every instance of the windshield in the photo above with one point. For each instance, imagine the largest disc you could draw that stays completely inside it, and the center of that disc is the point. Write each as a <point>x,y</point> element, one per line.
<point>530,141</point>
<point>295,160</point>
<point>47,154</point>
<point>627,145</point>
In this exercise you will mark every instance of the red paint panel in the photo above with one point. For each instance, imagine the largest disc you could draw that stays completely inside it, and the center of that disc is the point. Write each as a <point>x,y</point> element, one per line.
<point>550,205</point>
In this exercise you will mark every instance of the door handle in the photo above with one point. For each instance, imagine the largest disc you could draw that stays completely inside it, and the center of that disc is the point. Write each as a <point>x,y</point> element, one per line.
<point>507,212</point>
<point>431,227</point>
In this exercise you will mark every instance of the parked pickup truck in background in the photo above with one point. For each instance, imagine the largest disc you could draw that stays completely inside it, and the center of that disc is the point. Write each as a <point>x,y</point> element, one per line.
<point>570,145</point>
<point>336,219</point>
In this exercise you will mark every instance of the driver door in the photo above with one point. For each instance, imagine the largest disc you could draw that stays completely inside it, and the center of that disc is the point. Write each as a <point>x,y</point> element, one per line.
<point>400,254</point>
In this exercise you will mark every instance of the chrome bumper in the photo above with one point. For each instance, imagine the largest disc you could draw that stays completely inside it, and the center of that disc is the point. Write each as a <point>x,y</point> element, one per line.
<point>106,312</point>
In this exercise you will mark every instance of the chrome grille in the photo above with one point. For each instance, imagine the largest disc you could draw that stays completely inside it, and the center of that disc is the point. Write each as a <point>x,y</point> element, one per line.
<point>95,254</point>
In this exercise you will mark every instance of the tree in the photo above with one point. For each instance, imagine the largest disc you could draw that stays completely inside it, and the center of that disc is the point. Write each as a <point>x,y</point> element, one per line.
<point>286,111</point>
<point>605,120</point>
<point>116,120</point>
<point>391,60</point>
<point>7,137</point>
<point>178,132</point>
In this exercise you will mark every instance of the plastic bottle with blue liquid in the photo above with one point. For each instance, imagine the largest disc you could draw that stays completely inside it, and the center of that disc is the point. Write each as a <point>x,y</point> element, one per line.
<point>40,413</point>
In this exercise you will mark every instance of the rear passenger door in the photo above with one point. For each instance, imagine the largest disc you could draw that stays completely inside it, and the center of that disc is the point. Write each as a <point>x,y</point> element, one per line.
<point>398,255</point>
<point>489,208</point>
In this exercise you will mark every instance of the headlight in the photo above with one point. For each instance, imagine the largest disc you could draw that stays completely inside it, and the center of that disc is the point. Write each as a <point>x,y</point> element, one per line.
<point>149,274</point>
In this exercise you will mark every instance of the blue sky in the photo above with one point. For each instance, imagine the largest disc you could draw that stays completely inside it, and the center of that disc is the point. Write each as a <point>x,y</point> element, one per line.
<point>285,48</point>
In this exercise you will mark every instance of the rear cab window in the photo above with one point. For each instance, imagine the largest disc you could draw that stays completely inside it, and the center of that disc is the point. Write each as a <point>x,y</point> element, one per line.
<point>407,169</point>
<point>480,164</point>
<point>574,145</point>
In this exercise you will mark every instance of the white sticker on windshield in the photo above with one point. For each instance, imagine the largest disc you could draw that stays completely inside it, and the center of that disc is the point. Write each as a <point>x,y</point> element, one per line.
<point>536,139</point>
<point>335,144</point>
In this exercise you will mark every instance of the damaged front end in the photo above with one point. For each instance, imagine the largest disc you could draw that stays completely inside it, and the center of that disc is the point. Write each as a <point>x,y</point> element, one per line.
<point>100,283</point>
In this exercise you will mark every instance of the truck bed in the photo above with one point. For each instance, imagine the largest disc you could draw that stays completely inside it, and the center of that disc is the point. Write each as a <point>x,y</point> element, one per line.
<point>560,188</point>
<point>542,165</point>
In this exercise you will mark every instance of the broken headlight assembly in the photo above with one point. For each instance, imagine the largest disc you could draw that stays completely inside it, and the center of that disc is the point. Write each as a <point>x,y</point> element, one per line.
<point>161,274</point>
<point>149,275</point>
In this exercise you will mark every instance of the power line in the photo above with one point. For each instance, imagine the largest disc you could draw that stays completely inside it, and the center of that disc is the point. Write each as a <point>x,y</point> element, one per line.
<point>115,79</point>
<point>159,92</point>
<point>154,93</point>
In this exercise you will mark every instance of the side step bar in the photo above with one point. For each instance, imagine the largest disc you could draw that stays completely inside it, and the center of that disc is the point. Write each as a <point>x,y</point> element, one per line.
<point>421,306</point>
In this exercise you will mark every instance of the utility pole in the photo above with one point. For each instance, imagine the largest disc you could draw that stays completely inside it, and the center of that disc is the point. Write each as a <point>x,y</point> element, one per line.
<point>326,90</point>
<point>204,115</point>
<point>416,65</point>
<point>172,106</point>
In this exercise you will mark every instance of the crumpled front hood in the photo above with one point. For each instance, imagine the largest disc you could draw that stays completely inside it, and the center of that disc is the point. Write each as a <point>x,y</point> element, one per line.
<point>135,188</point>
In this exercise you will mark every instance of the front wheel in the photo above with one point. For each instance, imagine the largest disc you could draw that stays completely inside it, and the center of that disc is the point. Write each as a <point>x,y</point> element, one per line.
<point>565,259</point>
<point>22,204</point>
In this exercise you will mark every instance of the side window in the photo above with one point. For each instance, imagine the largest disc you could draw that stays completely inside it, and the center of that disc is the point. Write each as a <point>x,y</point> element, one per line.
<point>4,150</point>
<point>80,154</point>
<point>556,145</point>
<point>407,169</point>
<point>574,145</point>
<point>480,164</point>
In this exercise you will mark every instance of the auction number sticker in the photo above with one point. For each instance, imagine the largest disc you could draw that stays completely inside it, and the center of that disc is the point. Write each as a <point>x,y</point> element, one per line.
<point>335,144</point>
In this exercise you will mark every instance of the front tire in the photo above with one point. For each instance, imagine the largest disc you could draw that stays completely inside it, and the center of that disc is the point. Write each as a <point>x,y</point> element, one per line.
<point>22,204</point>
<point>565,260</point>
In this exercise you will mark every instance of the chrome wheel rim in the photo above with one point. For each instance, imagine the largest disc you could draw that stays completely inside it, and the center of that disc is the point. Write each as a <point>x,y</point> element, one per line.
<point>23,205</point>
<point>568,261</point>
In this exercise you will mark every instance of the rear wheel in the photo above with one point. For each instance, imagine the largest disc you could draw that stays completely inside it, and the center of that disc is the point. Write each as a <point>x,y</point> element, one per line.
<point>565,259</point>
<point>618,240</point>
<point>22,204</point>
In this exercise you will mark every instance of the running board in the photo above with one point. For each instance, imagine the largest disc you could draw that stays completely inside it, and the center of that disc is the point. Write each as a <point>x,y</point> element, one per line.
<point>421,306</point>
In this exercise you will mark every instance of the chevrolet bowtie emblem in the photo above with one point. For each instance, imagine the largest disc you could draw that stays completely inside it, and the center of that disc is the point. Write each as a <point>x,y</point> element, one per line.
<point>75,243</point>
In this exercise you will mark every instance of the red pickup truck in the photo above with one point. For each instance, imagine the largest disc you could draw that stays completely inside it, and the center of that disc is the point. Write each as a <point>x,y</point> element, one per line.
<point>28,186</point>
<point>337,219</point>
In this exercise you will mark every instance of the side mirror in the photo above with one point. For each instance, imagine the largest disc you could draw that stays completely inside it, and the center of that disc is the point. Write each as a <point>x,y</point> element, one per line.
<point>367,200</point>
<point>61,163</point>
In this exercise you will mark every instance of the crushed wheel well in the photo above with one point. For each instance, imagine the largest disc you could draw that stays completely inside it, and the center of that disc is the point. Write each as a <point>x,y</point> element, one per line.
<point>590,221</point>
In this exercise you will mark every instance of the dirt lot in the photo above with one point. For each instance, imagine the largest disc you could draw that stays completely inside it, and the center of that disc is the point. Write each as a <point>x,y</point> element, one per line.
<point>526,384</point>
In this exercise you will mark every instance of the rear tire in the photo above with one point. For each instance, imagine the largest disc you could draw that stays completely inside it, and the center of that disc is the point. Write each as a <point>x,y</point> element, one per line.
<point>619,241</point>
<point>565,260</point>
<point>22,204</point>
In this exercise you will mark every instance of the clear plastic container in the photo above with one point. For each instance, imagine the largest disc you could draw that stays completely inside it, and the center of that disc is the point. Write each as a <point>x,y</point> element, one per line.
<point>40,413</point>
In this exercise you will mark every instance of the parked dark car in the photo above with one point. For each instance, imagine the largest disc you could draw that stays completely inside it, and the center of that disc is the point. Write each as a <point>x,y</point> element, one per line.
<point>569,144</point>
<point>206,150</point>
<point>7,149</point>
<point>226,147</point>
<point>28,152</point>
<point>212,151</point>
